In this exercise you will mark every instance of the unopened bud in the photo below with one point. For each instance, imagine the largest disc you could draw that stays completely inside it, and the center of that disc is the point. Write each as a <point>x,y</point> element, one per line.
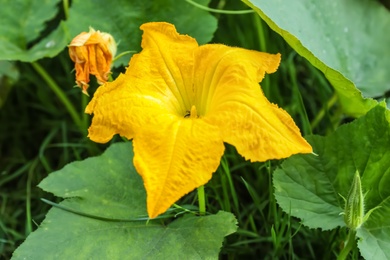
<point>354,204</point>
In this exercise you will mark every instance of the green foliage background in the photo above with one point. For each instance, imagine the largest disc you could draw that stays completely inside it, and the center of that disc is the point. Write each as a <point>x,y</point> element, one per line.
<point>313,187</point>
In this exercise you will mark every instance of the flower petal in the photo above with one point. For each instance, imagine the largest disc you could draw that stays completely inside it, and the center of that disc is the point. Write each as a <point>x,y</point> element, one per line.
<point>152,85</point>
<point>100,57</point>
<point>216,62</point>
<point>258,129</point>
<point>79,54</point>
<point>174,156</point>
<point>121,107</point>
<point>167,62</point>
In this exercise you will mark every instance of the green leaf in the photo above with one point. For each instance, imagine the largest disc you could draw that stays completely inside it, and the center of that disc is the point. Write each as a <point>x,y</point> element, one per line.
<point>304,188</point>
<point>109,187</point>
<point>23,20</point>
<point>310,187</point>
<point>123,18</point>
<point>374,242</point>
<point>21,24</point>
<point>344,39</point>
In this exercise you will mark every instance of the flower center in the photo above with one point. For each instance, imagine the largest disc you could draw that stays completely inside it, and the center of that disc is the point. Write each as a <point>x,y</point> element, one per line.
<point>192,113</point>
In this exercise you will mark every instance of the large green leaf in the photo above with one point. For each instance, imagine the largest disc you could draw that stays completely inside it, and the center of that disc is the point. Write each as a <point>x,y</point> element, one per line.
<point>121,18</point>
<point>22,21</point>
<point>376,233</point>
<point>109,187</point>
<point>309,186</point>
<point>345,39</point>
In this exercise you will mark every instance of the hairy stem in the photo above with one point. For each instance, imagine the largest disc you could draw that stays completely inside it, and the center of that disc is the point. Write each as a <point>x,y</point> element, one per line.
<point>349,245</point>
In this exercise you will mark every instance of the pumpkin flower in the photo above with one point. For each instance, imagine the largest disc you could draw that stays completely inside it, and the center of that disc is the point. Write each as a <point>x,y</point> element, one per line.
<point>180,102</point>
<point>92,52</point>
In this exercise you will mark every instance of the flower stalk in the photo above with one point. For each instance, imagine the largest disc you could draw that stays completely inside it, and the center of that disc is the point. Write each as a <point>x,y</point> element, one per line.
<point>201,200</point>
<point>350,243</point>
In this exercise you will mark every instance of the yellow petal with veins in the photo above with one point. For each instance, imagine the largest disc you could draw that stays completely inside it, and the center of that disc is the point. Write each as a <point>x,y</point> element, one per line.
<point>232,100</point>
<point>121,107</point>
<point>153,84</point>
<point>166,61</point>
<point>174,156</point>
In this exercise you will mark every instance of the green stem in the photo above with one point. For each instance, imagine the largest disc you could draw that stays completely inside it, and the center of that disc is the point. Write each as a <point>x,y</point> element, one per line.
<point>226,170</point>
<point>261,33</point>
<point>201,201</point>
<point>122,54</point>
<point>66,8</point>
<point>60,94</point>
<point>84,117</point>
<point>349,245</point>
<point>323,111</point>
<point>218,10</point>
<point>146,218</point>
<point>184,210</point>
<point>29,220</point>
<point>306,128</point>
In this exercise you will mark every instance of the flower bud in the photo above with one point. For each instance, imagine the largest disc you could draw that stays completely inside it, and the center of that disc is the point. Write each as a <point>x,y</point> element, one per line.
<point>354,204</point>
<point>92,53</point>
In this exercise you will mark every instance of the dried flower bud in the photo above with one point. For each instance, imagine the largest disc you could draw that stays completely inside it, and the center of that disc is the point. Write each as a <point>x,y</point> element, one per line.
<point>92,53</point>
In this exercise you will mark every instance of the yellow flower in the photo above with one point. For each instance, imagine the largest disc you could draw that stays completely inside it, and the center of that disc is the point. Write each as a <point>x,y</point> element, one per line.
<point>180,102</point>
<point>92,53</point>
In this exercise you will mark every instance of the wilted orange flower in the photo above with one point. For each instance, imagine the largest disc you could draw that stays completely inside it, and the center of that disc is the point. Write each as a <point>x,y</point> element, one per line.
<point>92,52</point>
<point>180,102</point>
